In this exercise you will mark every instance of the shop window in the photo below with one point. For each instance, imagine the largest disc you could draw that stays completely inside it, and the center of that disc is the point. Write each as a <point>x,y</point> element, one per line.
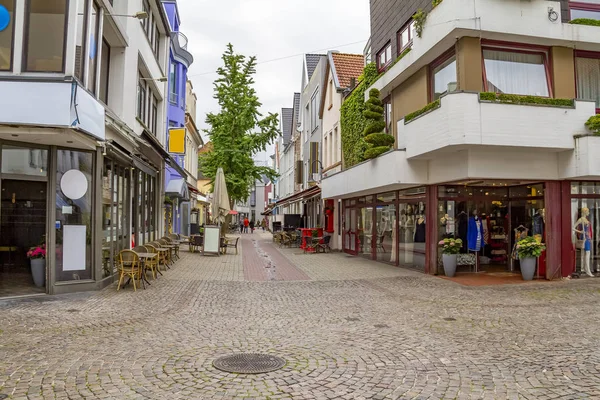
<point>44,41</point>
<point>80,39</point>
<point>526,191</point>
<point>93,53</point>
<point>384,57</point>
<point>515,72</point>
<point>104,72</point>
<point>386,197</point>
<point>411,233</point>
<point>74,205</point>
<point>24,161</point>
<point>370,199</point>
<point>405,36</point>
<point>443,77</point>
<point>108,228</point>
<point>589,9</point>
<point>585,217</point>
<point>588,77</point>
<point>592,188</point>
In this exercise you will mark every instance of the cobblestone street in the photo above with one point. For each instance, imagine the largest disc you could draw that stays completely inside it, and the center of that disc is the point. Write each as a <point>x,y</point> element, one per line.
<point>348,329</point>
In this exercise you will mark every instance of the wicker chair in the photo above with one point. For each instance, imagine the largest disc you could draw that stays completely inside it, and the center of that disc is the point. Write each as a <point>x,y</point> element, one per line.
<point>196,242</point>
<point>162,255</point>
<point>170,240</point>
<point>166,244</point>
<point>155,261</point>
<point>145,264</point>
<point>129,265</point>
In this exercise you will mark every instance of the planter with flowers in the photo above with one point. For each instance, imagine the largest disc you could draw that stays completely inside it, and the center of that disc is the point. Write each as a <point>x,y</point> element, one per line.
<point>529,250</point>
<point>450,249</point>
<point>37,258</point>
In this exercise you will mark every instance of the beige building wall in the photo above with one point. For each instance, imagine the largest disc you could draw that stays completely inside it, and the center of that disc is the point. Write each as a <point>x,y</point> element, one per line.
<point>190,100</point>
<point>410,96</point>
<point>563,72</point>
<point>468,64</point>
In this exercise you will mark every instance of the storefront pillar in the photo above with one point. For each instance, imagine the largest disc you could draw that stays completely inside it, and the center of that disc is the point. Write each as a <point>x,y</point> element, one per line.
<point>431,232</point>
<point>554,228</point>
<point>567,249</point>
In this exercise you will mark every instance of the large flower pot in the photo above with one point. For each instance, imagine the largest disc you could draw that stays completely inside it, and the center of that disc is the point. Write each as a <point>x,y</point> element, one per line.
<point>449,261</point>
<point>38,271</point>
<point>528,268</point>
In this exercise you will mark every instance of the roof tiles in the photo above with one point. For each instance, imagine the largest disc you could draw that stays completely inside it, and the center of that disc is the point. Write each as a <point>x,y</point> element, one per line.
<point>347,66</point>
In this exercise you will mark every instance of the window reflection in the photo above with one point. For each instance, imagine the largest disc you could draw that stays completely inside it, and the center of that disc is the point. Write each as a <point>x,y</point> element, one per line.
<point>44,46</point>
<point>24,161</point>
<point>6,36</point>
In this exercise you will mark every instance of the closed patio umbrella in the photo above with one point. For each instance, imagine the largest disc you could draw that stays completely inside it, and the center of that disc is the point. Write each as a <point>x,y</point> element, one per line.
<point>220,201</point>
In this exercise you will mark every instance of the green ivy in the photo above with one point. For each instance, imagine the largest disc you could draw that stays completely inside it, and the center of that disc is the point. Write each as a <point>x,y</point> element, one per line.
<point>428,107</point>
<point>585,21</point>
<point>524,100</point>
<point>593,124</point>
<point>436,3</point>
<point>420,17</point>
<point>374,152</point>
<point>352,120</point>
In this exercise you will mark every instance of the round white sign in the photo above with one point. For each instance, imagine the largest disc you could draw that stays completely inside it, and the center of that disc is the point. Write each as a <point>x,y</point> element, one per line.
<point>74,184</point>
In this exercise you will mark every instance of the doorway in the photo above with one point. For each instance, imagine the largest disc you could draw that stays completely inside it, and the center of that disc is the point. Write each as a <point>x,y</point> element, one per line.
<point>22,226</point>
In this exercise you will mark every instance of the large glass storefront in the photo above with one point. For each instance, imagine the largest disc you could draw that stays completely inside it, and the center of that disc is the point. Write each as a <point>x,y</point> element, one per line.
<point>495,213</point>
<point>387,227</point>
<point>128,210</point>
<point>585,225</point>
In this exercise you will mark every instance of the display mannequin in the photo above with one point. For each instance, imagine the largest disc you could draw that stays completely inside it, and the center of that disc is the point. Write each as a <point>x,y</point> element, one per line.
<point>583,228</point>
<point>420,230</point>
<point>475,233</point>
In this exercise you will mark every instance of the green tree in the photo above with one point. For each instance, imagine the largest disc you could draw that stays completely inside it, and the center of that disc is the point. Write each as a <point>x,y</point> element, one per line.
<point>238,131</point>
<point>378,141</point>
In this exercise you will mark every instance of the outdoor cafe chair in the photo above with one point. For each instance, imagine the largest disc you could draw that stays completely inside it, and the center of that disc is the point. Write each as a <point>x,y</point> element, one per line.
<point>232,243</point>
<point>146,264</point>
<point>165,244</point>
<point>162,255</point>
<point>154,261</point>
<point>196,242</point>
<point>325,245</point>
<point>129,265</point>
<point>171,242</point>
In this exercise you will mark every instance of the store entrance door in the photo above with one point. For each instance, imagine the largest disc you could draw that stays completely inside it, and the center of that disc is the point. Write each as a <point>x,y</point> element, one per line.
<point>22,227</point>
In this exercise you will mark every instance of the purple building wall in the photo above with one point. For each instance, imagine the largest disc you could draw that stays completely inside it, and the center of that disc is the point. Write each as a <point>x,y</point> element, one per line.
<point>179,61</point>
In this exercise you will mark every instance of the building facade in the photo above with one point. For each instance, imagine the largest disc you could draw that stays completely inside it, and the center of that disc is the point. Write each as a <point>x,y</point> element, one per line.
<point>341,74</point>
<point>178,201</point>
<point>488,106</point>
<point>82,137</point>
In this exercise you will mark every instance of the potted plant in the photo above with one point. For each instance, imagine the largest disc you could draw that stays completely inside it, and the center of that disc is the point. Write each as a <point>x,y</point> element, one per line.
<point>37,257</point>
<point>529,250</point>
<point>450,249</point>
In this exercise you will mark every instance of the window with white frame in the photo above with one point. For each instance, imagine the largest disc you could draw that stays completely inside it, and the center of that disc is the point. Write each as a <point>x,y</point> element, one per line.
<point>79,38</point>
<point>93,51</point>
<point>306,127</point>
<point>173,82</point>
<point>45,33</point>
<point>405,36</point>
<point>147,104</point>
<point>151,28</point>
<point>384,57</point>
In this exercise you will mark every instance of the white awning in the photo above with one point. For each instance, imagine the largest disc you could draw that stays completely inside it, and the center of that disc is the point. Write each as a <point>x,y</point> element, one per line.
<point>178,188</point>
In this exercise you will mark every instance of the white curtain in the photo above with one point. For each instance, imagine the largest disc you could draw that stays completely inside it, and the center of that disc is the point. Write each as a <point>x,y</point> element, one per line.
<point>588,79</point>
<point>515,73</point>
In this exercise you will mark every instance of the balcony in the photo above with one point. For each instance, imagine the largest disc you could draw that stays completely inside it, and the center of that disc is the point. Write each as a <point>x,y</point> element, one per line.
<point>464,122</point>
<point>183,40</point>
<point>583,163</point>
<point>180,42</point>
<point>510,21</point>
<point>389,171</point>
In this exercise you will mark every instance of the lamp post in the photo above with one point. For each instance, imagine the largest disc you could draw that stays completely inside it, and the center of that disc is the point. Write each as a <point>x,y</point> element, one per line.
<point>318,173</point>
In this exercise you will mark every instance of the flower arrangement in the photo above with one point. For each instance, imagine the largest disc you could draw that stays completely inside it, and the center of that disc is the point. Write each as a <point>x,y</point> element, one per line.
<point>451,246</point>
<point>37,252</point>
<point>530,248</point>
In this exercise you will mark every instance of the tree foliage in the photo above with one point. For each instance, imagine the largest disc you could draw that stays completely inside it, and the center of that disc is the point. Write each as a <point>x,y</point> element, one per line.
<point>238,131</point>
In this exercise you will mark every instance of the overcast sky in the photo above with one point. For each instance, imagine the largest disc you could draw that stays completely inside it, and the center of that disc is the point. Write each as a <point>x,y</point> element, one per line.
<point>268,29</point>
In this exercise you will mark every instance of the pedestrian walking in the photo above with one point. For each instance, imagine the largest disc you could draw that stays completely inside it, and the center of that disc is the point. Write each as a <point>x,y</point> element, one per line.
<point>246,224</point>
<point>252,226</point>
<point>241,226</point>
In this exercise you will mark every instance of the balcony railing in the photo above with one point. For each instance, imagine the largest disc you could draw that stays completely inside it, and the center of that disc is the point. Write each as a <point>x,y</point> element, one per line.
<point>183,40</point>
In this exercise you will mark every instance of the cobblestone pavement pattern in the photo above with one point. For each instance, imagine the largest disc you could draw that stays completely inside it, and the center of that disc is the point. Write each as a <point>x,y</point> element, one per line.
<point>348,329</point>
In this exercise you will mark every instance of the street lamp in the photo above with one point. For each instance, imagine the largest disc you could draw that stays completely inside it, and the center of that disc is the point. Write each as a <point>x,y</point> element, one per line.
<point>319,174</point>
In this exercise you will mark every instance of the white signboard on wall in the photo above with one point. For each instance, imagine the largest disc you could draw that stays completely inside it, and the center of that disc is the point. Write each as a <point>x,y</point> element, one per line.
<point>74,247</point>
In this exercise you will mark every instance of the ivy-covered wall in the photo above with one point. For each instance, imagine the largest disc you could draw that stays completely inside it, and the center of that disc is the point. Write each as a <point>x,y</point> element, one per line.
<point>352,121</point>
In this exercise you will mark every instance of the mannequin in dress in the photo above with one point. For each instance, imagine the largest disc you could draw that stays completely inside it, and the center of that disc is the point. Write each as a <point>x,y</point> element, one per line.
<point>583,229</point>
<point>475,233</point>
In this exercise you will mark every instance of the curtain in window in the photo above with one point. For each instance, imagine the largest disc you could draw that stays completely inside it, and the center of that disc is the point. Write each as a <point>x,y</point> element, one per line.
<point>588,79</point>
<point>515,73</point>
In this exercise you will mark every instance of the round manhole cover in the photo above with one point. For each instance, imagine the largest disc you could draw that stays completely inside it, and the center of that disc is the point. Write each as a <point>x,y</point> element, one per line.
<point>249,363</point>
